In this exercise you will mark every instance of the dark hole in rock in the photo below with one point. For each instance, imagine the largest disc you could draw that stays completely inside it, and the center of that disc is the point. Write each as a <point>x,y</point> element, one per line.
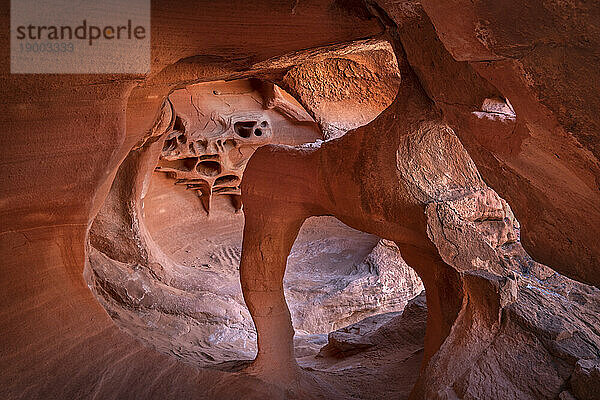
<point>258,132</point>
<point>209,168</point>
<point>225,189</point>
<point>170,145</point>
<point>179,125</point>
<point>244,128</point>
<point>208,157</point>
<point>226,179</point>
<point>201,145</point>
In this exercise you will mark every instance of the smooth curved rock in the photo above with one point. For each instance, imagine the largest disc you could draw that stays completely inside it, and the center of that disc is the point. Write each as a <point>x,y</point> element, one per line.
<point>516,82</point>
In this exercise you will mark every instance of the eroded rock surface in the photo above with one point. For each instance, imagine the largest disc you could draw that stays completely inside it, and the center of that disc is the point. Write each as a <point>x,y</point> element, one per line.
<point>323,298</point>
<point>346,91</point>
<point>219,125</point>
<point>515,81</point>
<point>458,234</point>
<point>539,150</point>
<point>195,310</point>
<point>171,277</point>
<point>543,344</point>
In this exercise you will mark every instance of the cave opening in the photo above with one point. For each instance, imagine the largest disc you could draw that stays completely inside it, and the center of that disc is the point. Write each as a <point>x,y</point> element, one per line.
<point>246,206</point>
<point>165,250</point>
<point>183,295</point>
<point>337,276</point>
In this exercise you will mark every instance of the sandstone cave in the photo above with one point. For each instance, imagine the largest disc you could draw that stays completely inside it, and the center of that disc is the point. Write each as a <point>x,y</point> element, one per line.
<point>322,199</point>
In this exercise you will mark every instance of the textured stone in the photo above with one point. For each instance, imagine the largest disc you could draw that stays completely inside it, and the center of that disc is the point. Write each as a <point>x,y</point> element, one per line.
<point>188,303</point>
<point>515,82</point>
<point>585,379</point>
<point>218,126</point>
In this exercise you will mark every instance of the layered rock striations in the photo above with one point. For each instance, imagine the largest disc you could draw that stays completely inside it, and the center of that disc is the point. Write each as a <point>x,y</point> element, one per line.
<point>167,273</point>
<point>492,95</point>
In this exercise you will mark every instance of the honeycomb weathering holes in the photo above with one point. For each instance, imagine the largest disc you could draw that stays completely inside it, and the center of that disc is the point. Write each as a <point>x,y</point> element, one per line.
<point>182,164</point>
<point>244,128</point>
<point>211,142</point>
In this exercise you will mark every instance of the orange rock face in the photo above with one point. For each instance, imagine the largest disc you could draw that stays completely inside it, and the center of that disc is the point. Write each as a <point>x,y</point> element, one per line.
<point>454,131</point>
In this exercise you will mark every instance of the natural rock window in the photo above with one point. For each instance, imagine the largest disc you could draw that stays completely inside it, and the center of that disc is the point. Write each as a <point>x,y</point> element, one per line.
<point>311,281</point>
<point>343,154</point>
<point>181,293</point>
